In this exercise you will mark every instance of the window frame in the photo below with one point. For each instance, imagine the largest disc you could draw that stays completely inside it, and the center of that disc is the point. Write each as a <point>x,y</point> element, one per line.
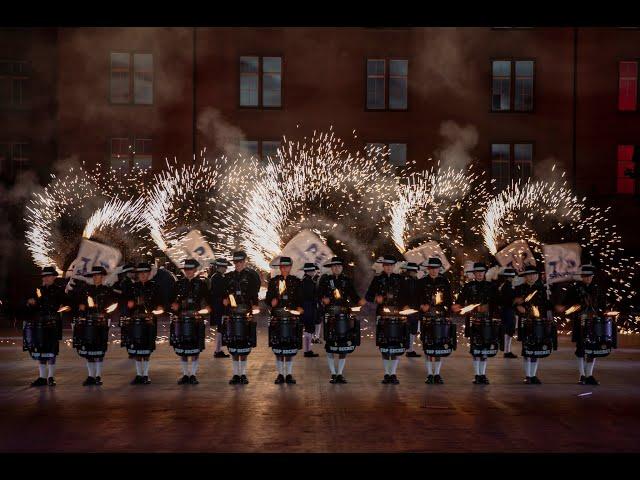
<point>260,106</point>
<point>617,99</point>
<point>131,140</point>
<point>11,77</point>
<point>132,102</point>
<point>387,74</point>
<point>512,159</point>
<point>512,84</point>
<point>616,177</point>
<point>387,144</point>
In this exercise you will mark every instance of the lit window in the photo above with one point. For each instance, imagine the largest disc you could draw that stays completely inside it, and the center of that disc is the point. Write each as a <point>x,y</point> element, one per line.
<point>131,78</point>
<point>501,90</point>
<point>628,87</point>
<point>381,80</point>
<point>261,81</point>
<point>625,185</point>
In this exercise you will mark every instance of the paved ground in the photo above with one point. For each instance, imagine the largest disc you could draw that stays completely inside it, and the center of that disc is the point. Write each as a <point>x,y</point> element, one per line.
<point>315,416</point>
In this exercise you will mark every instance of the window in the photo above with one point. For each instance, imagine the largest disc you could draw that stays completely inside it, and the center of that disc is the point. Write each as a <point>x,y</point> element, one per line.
<point>127,153</point>
<point>512,85</point>
<point>511,163</point>
<point>522,161</point>
<point>14,80</point>
<point>142,155</point>
<point>260,149</point>
<point>379,77</point>
<point>261,82</point>
<point>269,149</point>
<point>628,87</point>
<point>395,153</point>
<point>14,158</point>
<point>131,78</point>
<point>625,185</point>
<point>500,163</point>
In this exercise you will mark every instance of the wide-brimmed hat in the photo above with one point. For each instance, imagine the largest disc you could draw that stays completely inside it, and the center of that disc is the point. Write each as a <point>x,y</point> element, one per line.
<point>529,270</point>
<point>387,260</point>
<point>221,262</point>
<point>334,261</point>
<point>143,267</point>
<point>507,272</point>
<point>587,270</point>
<point>49,272</point>
<point>432,262</point>
<point>97,270</point>
<point>239,256</point>
<point>283,262</point>
<point>310,267</point>
<point>127,267</point>
<point>478,267</point>
<point>190,263</point>
<point>411,266</point>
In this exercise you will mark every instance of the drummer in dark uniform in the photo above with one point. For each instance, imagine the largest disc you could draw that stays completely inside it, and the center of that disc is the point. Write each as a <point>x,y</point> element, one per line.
<point>584,296</point>
<point>43,307</point>
<point>283,292</point>
<point>384,290</point>
<point>531,296</point>
<point>505,307</point>
<point>217,293</point>
<point>336,288</point>
<point>309,289</point>
<point>99,299</point>
<point>478,292</point>
<point>435,295</point>
<point>191,295</point>
<point>243,283</point>
<point>146,299</point>
<point>410,299</point>
<point>123,288</point>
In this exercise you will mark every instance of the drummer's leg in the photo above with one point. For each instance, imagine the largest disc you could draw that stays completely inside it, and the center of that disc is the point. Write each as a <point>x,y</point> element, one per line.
<point>195,362</point>
<point>394,363</point>
<point>89,362</point>
<point>386,363</point>
<point>342,359</point>
<point>437,364</point>
<point>145,365</point>
<point>534,366</point>
<point>581,363</point>
<point>429,363</point>
<point>289,364</point>
<point>527,366</point>
<point>591,363</point>
<point>97,366</point>
<point>476,365</point>
<point>184,365</point>
<point>51,364</point>
<point>317,328</point>
<point>42,367</point>
<point>138,362</point>
<point>483,365</point>
<point>331,363</point>
<point>242,363</point>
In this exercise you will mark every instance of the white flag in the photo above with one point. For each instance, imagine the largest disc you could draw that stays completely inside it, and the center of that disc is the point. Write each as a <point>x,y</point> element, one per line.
<point>192,245</point>
<point>305,247</point>
<point>516,255</point>
<point>561,261</point>
<point>93,254</point>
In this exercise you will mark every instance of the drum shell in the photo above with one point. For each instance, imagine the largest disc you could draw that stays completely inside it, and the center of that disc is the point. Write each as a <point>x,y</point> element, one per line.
<point>392,334</point>
<point>285,334</point>
<point>484,335</point>
<point>341,331</point>
<point>599,335</point>
<point>187,334</point>
<point>41,336</point>
<point>239,333</point>
<point>141,335</point>
<point>438,336</point>
<point>91,335</point>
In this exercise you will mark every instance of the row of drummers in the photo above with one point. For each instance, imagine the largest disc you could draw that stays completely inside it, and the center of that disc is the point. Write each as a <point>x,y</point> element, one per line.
<point>405,306</point>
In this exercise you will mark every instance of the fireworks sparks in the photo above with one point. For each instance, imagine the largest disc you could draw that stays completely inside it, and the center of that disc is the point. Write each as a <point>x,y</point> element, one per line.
<point>124,214</point>
<point>317,174</point>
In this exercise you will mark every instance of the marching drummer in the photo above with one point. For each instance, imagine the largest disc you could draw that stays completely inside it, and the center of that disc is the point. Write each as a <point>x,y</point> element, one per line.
<point>145,300</point>
<point>384,290</point>
<point>309,292</point>
<point>479,295</point>
<point>410,299</point>
<point>242,285</point>
<point>505,307</point>
<point>531,301</point>
<point>190,296</point>
<point>283,292</point>
<point>217,293</point>
<point>584,296</point>
<point>47,300</point>
<point>98,299</point>
<point>123,288</point>
<point>336,288</point>
<point>435,299</point>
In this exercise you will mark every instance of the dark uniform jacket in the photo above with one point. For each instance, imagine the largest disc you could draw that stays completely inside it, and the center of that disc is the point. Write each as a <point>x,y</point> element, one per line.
<point>123,289</point>
<point>482,292</point>
<point>291,297</point>
<point>429,287</point>
<point>217,291</point>
<point>590,297</point>
<point>410,291</point>
<point>505,296</point>
<point>146,297</point>
<point>51,299</point>
<point>329,283</point>
<point>539,299</point>
<point>389,286</point>
<point>191,295</point>
<point>102,295</point>
<point>244,286</point>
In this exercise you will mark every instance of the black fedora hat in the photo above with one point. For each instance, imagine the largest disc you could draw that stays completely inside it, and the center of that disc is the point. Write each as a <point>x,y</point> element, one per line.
<point>507,272</point>
<point>143,267</point>
<point>222,262</point>
<point>387,260</point>
<point>283,262</point>
<point>96,270</point>
<point>529,270</point>
<point>190,263</point>
<point>433,262</point>
<point>479,267</point>
<point>127,267</point>
<point>334,261</point>
<point>587,270</point>
<point>49,272</point>
<point>310,267</point>
<point>239,256</point>
<point>411,266</point>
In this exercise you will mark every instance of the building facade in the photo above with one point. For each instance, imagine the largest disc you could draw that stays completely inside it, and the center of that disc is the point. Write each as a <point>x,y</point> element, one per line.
<point>515,100</point>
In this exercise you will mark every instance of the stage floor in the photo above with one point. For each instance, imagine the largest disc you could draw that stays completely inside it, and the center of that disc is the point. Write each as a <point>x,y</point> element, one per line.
<point>314,415</point>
